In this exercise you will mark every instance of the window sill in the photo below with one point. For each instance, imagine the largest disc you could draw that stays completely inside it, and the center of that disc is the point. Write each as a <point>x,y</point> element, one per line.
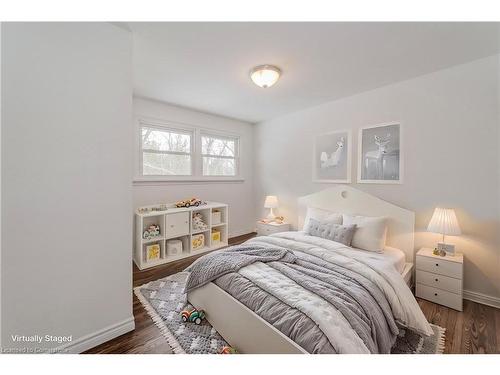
<point>144,181</point>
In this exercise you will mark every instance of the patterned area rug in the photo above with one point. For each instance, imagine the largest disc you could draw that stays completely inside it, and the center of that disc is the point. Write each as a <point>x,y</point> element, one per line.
<point>164,300</point>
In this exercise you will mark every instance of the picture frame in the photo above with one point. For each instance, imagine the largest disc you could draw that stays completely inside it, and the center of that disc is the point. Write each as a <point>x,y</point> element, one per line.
<point>380,154</point>
<point>332,157</point>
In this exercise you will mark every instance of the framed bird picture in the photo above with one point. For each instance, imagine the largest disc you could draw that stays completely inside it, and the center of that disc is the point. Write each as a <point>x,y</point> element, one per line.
<point>332,157</point>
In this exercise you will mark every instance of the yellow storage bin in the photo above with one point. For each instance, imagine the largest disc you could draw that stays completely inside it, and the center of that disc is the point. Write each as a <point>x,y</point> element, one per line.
<point>198,241</point>
<point>215,236</point>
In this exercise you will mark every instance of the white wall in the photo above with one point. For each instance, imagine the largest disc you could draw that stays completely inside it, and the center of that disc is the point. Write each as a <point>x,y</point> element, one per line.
<point>66,182</point>
<point>0,184</point>
<point>238,195</point>
<point>451,144</point>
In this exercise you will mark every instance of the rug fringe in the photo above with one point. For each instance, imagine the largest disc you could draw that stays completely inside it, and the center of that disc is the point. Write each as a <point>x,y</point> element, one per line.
<point>158,321</point>
<point>441,341</point>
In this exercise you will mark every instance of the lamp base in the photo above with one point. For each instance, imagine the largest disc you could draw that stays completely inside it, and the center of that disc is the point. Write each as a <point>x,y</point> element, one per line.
<point>271,216</point>
<point>448,248</point>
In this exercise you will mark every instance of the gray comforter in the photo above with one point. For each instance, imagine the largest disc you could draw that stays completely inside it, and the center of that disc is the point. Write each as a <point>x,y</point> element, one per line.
<point>357,300</point>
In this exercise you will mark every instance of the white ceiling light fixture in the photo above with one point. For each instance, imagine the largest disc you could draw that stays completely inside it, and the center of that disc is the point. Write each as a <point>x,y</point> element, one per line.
<point>265,75</point>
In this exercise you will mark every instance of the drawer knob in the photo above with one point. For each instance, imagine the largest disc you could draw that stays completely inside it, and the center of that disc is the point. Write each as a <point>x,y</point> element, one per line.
<point>437,280</point>
<point>437,264</point>
<point>435,294</point>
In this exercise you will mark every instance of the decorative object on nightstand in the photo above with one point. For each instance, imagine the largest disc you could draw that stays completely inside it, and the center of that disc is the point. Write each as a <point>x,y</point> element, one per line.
<point>271,202</point>
<point>440,280</point>
<point>444,221</point>
<point>279,219</point>
<point>265,229</point>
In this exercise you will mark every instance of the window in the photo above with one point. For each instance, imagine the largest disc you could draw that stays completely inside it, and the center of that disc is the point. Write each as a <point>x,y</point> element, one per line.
<point>169,151</point>
<point>219,155</point>
<point>166,152</point>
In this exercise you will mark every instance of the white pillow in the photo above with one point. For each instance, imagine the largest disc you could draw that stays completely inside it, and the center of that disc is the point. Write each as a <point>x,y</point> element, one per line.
<point>370,232</point>
<point>321,215</point>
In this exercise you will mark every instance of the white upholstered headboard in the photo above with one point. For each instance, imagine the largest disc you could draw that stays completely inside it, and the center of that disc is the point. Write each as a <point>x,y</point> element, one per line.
<point>345,199</point>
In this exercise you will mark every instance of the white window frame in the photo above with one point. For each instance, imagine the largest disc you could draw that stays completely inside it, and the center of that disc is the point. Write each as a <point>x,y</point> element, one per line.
<point>196,155</point>
<point>236,157</point>
<point>172,130</point>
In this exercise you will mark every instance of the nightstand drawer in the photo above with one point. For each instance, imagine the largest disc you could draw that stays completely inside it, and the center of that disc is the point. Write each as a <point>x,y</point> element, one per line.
<point>439,281</point>
<point>439,266</point>
<point>268,229</point>
<point>439,296</point>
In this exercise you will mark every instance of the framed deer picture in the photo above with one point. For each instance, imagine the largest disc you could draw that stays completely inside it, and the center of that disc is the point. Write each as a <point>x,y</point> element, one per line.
<point>332,157</point>
<point>380,155</point>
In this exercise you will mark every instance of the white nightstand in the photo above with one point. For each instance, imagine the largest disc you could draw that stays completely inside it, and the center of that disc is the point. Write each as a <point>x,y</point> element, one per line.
<point>440,279</point>
<point>264,229</point>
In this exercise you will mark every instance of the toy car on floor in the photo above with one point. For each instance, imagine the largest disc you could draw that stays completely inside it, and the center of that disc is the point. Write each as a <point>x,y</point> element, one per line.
<point>195,316</point>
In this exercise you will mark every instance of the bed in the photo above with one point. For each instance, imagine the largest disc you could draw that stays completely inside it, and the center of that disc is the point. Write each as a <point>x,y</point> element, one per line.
<point>250,333</point>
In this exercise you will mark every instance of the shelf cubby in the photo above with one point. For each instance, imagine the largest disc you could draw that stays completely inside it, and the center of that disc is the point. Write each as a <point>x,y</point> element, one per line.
<point>206,234</point>
<point>177,224</point>
<point>161,243</point>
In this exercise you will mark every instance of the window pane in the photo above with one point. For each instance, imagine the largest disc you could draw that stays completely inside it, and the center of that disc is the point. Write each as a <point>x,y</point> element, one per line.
<point>217,146</point>
<point>164,140</point>
<point>218,167</point>
<point>165,164</point>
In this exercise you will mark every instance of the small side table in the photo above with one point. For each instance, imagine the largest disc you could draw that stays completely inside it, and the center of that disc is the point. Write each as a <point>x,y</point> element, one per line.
<point>440,279</point>
<point>266,229</point>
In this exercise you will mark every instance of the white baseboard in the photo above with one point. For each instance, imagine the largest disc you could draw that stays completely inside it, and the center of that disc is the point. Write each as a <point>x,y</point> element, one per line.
<point>239,233</point>
<point>482,298</point>
<point>92,340</point>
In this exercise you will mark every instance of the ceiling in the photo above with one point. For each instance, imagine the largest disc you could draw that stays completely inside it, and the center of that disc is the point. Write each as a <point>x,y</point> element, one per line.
<point>205,66</point>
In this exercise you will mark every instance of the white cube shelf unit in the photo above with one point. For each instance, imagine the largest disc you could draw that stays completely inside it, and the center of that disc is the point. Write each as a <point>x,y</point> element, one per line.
<point>177,223</point>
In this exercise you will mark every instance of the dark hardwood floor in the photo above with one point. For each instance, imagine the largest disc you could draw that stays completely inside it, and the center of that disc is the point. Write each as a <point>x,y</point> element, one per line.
<point>146,337</point>
<point>475,330</point>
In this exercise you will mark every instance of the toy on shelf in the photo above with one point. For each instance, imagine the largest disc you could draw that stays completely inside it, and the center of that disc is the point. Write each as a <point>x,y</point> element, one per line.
<point>197,241</point>
<point>151,232</point>
<point>228,350</point>
<point>193,202</point>
<point>194,316</point>
<point>198,222</point>
<point>145,210</point>
<point>152,252</point>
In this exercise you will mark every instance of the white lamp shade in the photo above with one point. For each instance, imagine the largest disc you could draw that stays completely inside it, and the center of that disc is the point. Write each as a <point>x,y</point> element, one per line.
<point>444,221</point>
<point>271,201</point>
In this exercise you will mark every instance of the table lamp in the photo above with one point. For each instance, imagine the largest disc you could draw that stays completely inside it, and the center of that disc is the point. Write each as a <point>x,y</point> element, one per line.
<point>444,221</point>
<point>271,202</point>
